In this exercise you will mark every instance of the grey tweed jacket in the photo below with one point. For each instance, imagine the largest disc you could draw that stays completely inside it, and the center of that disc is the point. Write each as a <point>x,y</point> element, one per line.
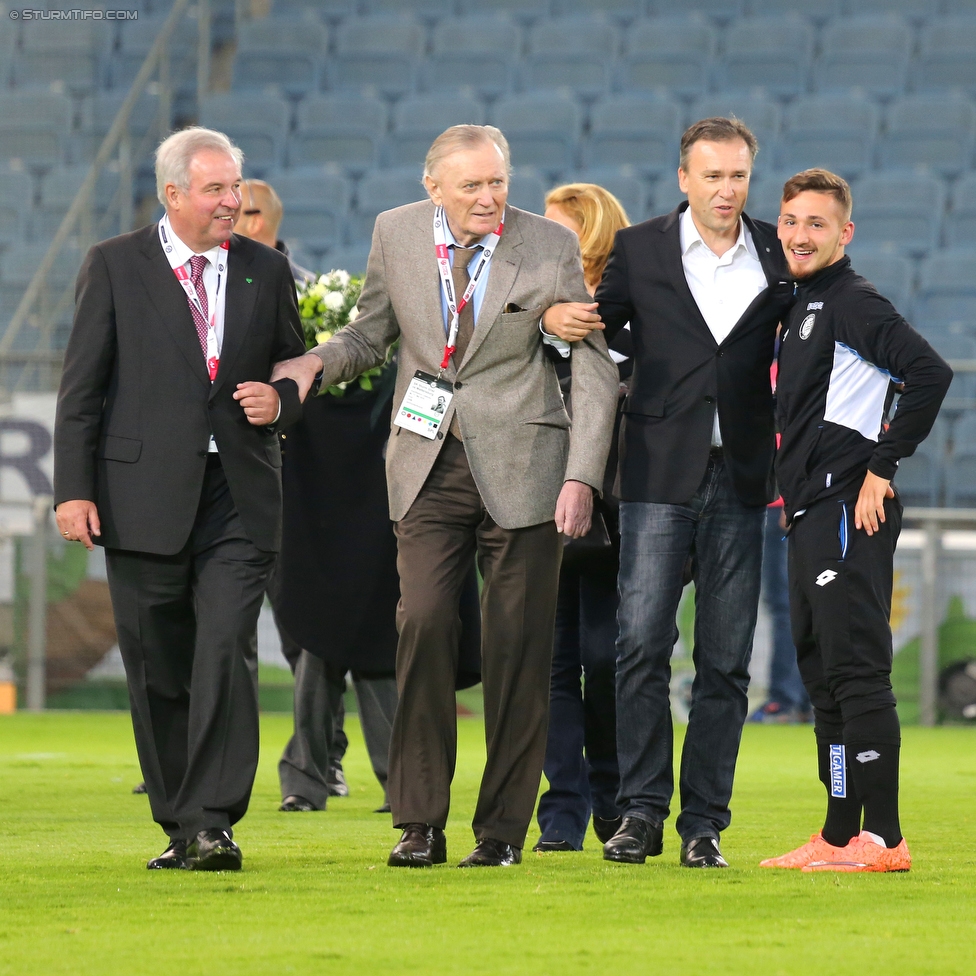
<point>518,437</point>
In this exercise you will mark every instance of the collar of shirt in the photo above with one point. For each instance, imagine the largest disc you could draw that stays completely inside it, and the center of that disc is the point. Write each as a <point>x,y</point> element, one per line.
<point>691,237</point>
<point>479,292</point>
<point>181,253</point>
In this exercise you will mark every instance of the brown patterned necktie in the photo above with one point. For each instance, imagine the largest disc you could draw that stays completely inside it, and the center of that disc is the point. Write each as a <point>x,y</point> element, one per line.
<point>459,271</point>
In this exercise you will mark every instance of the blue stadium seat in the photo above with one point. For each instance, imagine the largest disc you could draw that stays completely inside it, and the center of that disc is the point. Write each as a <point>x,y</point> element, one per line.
<point>766,52</point>
<point>720,10</point>
<point>542,131</point>
<point>762,115</point>
<point>17,268</point>
<point>919,478</point>
<point>870,53</point>
<point>326,10</point>
<point>316,205</point>
<point>819,12</point>
<point>527,190</point>
<point>900,212</point>
<point>892,274</point>
<point>665,196</point>
<point>346,130</point>
<point>575,53</point>
<point>524,11</point>
<point>376,53</point>
<point>429,11</point>
<point>419,119</point>
<point>962,390</point>
<point>98,114</point>
<point>946,299</point>
<point>352,259</point>
<point>255,122</point>
<point>961,221</point>
<point>932,131</point>
<point>624,183</point>
<point>959,6</point>
<point>834,132</point>
<point>71,51</point>
<point>136,38</point>
<point>668,52</point>
<point>480,52</point>
<point>634,130</point>
<point>914,10</point>
<point>58,190</point>
<point>964,434</point>
<point>765,195</point>
<point>623,10</point>
<point>946,55</point>
<point>34,127</point>
<point>280,54</point>
<point>16,197</point>
<point>382,191</point>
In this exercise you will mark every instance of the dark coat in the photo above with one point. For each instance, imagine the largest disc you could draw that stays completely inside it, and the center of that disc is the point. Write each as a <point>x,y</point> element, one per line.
<point>680,371</point>
<point>136,407</point>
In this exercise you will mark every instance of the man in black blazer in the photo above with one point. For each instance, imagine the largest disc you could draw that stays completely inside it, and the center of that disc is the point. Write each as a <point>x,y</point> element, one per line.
<point>703,289</point>
<point>166,454</point>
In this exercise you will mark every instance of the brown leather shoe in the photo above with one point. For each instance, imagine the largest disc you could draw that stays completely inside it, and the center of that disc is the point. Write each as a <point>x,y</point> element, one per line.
<point>492,854</point>
<point>420,846</point>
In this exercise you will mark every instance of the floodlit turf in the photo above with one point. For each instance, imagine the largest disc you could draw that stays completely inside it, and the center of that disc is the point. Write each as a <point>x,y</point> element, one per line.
<point>316,897</point>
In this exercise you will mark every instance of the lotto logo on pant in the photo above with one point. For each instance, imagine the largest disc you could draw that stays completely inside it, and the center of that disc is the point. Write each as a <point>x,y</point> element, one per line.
<point>838,772</point>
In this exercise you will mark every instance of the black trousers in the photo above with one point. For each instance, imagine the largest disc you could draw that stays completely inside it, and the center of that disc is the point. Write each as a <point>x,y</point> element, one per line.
<point>187,629</point>
<point>840,605</point>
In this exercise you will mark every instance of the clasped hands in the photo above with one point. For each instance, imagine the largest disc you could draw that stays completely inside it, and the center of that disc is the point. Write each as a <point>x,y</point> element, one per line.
<point>571,321</point>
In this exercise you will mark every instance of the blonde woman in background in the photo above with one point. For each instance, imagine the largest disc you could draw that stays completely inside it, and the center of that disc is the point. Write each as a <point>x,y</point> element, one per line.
<point>581,749</point>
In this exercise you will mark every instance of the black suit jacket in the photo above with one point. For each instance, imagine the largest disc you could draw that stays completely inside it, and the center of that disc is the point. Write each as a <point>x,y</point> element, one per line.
<point>136,407</point>
<point>680,371</point>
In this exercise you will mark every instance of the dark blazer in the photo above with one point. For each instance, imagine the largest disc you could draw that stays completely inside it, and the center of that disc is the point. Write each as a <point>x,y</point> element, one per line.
<point>136,407</point>
<point>679,369</point>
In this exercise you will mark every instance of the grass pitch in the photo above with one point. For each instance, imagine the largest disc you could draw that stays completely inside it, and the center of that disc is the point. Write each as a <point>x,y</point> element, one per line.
<point>315,895</point>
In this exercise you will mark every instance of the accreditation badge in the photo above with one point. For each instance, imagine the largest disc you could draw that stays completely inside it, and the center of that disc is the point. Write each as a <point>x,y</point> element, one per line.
<point>424,404</point>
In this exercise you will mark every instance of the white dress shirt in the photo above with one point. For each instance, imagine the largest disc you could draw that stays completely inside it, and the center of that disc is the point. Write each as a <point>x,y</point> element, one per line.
<point>723,287</point>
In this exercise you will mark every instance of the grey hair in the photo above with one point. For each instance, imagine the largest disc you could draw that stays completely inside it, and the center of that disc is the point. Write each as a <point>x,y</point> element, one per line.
<point>460,137</point>
<point>175,152</point>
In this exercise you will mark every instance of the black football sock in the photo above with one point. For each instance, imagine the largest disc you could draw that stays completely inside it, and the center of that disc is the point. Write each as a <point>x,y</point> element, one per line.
<point>843,820</point>
<point>873,745</point>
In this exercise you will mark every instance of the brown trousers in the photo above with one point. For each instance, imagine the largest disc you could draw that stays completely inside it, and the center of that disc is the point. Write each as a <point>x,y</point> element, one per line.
<point>437,539</point>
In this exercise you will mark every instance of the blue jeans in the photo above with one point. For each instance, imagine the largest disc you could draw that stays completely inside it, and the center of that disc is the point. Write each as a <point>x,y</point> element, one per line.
<point>785,684</point>
<point>582,717</point>
<point>726,538</point>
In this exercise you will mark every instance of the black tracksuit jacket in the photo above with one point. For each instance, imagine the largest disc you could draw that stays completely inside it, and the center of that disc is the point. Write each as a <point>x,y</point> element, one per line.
<point>843,349</point>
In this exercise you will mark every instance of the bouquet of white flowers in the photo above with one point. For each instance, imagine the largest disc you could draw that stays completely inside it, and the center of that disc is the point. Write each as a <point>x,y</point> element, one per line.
<point>327,305</point>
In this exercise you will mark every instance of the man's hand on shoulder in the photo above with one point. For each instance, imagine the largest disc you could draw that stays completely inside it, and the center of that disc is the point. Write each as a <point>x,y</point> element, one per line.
<point>574,509</point>
<point>571,321</point>
<point>869,510</point>
<point>301,369</point>
<point>78,521</point>
<point>260,402</point>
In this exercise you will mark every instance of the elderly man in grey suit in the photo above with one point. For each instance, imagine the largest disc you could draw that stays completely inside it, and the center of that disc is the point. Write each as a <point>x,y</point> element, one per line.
<point>499,474</point>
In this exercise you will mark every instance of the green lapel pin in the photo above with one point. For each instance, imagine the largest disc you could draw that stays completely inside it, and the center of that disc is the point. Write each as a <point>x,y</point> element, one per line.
<point>249,280</point>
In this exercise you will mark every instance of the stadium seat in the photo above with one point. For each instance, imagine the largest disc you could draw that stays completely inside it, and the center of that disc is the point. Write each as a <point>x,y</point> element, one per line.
<point>919,478</point>
<point>762,115</point>
<point>527,190</point>
<point>869,53</point>
<point>16,197</point>
<point>376,53</point>
<point>935,131</point>
<point>946,297</point>
<point>429,11</point>
<point>327,10</point>
<point>280,54</point>
<point>720,10</point>
<point>914,10</point>
<point>947,55</point>
<point>524,11</point>
<point>634,130</point>
<point>963,434</point>
<point>765,195</point>
<point>480,52</point>
<point>18,266</point>
<point>58,190</point>
<point>351,259</point>
<point>542,131</point>
<point>382,191</point>
<point>835,132</point>
<point>903,213</point>
<point>34,127</point>
<point>892,274</point>
<point>255,122</point>
<point>575,53</point>
<point>962,390</point>
<point>961,481</point>
<point>959,6</point>
<point>623,10</point>
<point>73,51</point>
<point>624,183</point>
<point>98,114</point>
<point>819,12</point>
<point>668,52</point>
<point>419,119</point>
<point>665,196</point>
<point>136,38</point>
<point>316,205</point>
<point>346,130</point>
<point>961,221</point>
<point>766,52</point>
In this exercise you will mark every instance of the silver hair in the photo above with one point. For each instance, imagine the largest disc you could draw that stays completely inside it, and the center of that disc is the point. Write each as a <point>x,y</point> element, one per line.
<point>175,152</point>
<point>459,137</point>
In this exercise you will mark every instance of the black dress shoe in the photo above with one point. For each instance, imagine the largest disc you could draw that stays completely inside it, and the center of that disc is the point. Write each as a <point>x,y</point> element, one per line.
<point>492,854</point>
<point>140,788</point>
<point>635,841</point>
<point>549,846</point>
<point>297,804</point>
<point>213,850</point>
<point>335,780</point>
<point>420,846</point>
<point>173,857</point>
<point>702,852</point>
<point>383,809</point>
<point>606,827</point>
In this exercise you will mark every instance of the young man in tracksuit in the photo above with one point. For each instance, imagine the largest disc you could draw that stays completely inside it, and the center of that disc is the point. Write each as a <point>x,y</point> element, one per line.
<point>844,352</point>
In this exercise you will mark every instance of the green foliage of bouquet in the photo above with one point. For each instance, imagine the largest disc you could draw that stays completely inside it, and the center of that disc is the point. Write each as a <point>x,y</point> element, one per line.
<point>327,305</point>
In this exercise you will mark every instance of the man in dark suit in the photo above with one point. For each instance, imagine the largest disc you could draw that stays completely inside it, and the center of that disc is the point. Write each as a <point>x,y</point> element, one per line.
<point>703,289</point>
<point>166,454</point>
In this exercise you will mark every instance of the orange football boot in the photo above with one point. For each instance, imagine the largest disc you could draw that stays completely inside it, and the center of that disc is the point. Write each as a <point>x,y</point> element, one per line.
<point>816,849</point>
<point>864,853</point>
